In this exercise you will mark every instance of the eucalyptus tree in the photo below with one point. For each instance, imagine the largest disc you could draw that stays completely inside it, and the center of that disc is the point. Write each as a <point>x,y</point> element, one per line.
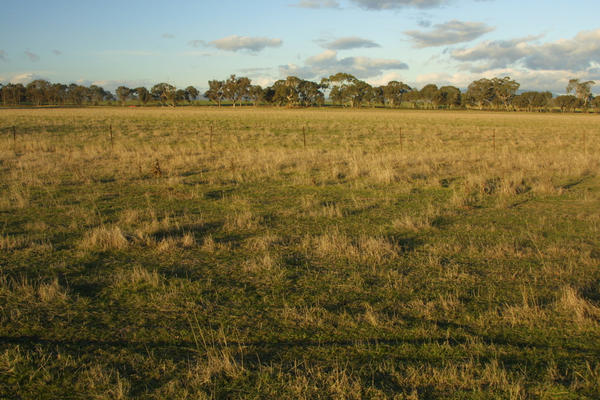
<point>97,94</point>
<point>216,91</point>
<point>346,88</point>
<point>338,86</point>
<point>78,94</point>
<point>596,103</point>
<point>256,94</point>
<point>394,91</point>
<point>504,90</point>
<point>191,93</point>
<point>428,95</point>
<point>165,93</point>
<point>568,102</point>
<point>377,96</point>
<point>448,96</point>
<point>480,93</point>
<point>57,93</point>
<point>532,100</point>
<point>237,89</point>
<point>582,90</point>
<point>123,93</point>
<point>142,94</point>
<point>310,93</point>
<point>38,91</point>
<point>285,91</point>
<point>13,93</point>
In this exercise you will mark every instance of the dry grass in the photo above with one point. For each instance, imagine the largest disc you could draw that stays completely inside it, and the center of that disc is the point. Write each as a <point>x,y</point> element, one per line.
<point>104,238</point>
<point>260,268</point>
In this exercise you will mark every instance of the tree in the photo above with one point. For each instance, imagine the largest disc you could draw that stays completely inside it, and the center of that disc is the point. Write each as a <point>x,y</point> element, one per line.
<point>285,91</point>
<point>78,94</point>
<point>347,88</point>
<point>428,94</point>
<point>394,91</point>
<point>164,92</point>
<point>532,100</point>
<point>480,93</point>
<point>338,85</point>
<point>180,95</point>
<point>37,91</point>
<point>583,90</point>
<point>567,102</point>
<point>596,103</point>
<point>123,94</point>
<point>310,93</point>
<point>504,90</point>
<point>97,94</point>
<point>448,96</point>
<point>413,97</point>
<point>143,94</point>
<point>377,96</point>
<point>216,91</point>
<point>236,89</point>
<point>191,93</point>
<point>256,94</point>
<point>13,94</point>
<point>57,93</point>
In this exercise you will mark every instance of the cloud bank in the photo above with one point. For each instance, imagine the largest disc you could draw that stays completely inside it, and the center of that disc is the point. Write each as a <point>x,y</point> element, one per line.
<point>451,32</point>
<point>237,43</point>
<point>579,53</point>
<point>374,4</point>
<point>328,63</point>
<point>348,43</point>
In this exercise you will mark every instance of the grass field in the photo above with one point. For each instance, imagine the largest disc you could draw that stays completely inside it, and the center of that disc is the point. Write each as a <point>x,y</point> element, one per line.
<point>396,254</point>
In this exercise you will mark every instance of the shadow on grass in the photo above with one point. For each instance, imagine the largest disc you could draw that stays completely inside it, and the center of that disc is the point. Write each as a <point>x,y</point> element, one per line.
<point>199,230</point>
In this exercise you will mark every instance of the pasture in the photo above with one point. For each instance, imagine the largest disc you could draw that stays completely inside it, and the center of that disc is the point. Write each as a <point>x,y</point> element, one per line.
<point>260,253</point>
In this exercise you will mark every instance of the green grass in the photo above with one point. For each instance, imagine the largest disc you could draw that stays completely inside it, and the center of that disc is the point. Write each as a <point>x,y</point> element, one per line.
<point>360,266</point>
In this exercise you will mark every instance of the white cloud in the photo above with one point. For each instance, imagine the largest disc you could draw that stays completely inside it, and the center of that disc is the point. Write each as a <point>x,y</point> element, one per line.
<point>579,53</point>
<point>374,4</point>
<point>327,63</point>
<point>26,77</point>
<point>451,32</point>
<point>348,43</point>
<point>111,85</point>
<point>137,53</point>
<point>396,4</point>
<point>385,78</point>
<point>552,80</point>
<point>236,43</point>
<point>318,4</point>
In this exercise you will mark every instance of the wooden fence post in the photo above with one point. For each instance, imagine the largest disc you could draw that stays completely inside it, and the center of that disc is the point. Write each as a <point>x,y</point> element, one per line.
<point>401,141</point>
<point>304,135</point>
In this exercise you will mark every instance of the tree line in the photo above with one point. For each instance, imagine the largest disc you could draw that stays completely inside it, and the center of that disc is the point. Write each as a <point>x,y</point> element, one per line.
<point>341,89</point>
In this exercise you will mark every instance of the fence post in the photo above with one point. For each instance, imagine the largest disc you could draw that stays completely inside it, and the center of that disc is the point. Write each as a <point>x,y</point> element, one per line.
<point>14,132</point>
<point>401,142</point>
<point>210,138</point>
<point>304,135</point>
<point>112,144</point>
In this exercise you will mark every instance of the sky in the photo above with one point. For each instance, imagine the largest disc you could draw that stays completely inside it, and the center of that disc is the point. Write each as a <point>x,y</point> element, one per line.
<point>539,43</point>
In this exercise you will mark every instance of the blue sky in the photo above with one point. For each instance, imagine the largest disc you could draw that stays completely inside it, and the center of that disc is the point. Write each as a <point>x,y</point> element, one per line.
<point>539,43</point>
